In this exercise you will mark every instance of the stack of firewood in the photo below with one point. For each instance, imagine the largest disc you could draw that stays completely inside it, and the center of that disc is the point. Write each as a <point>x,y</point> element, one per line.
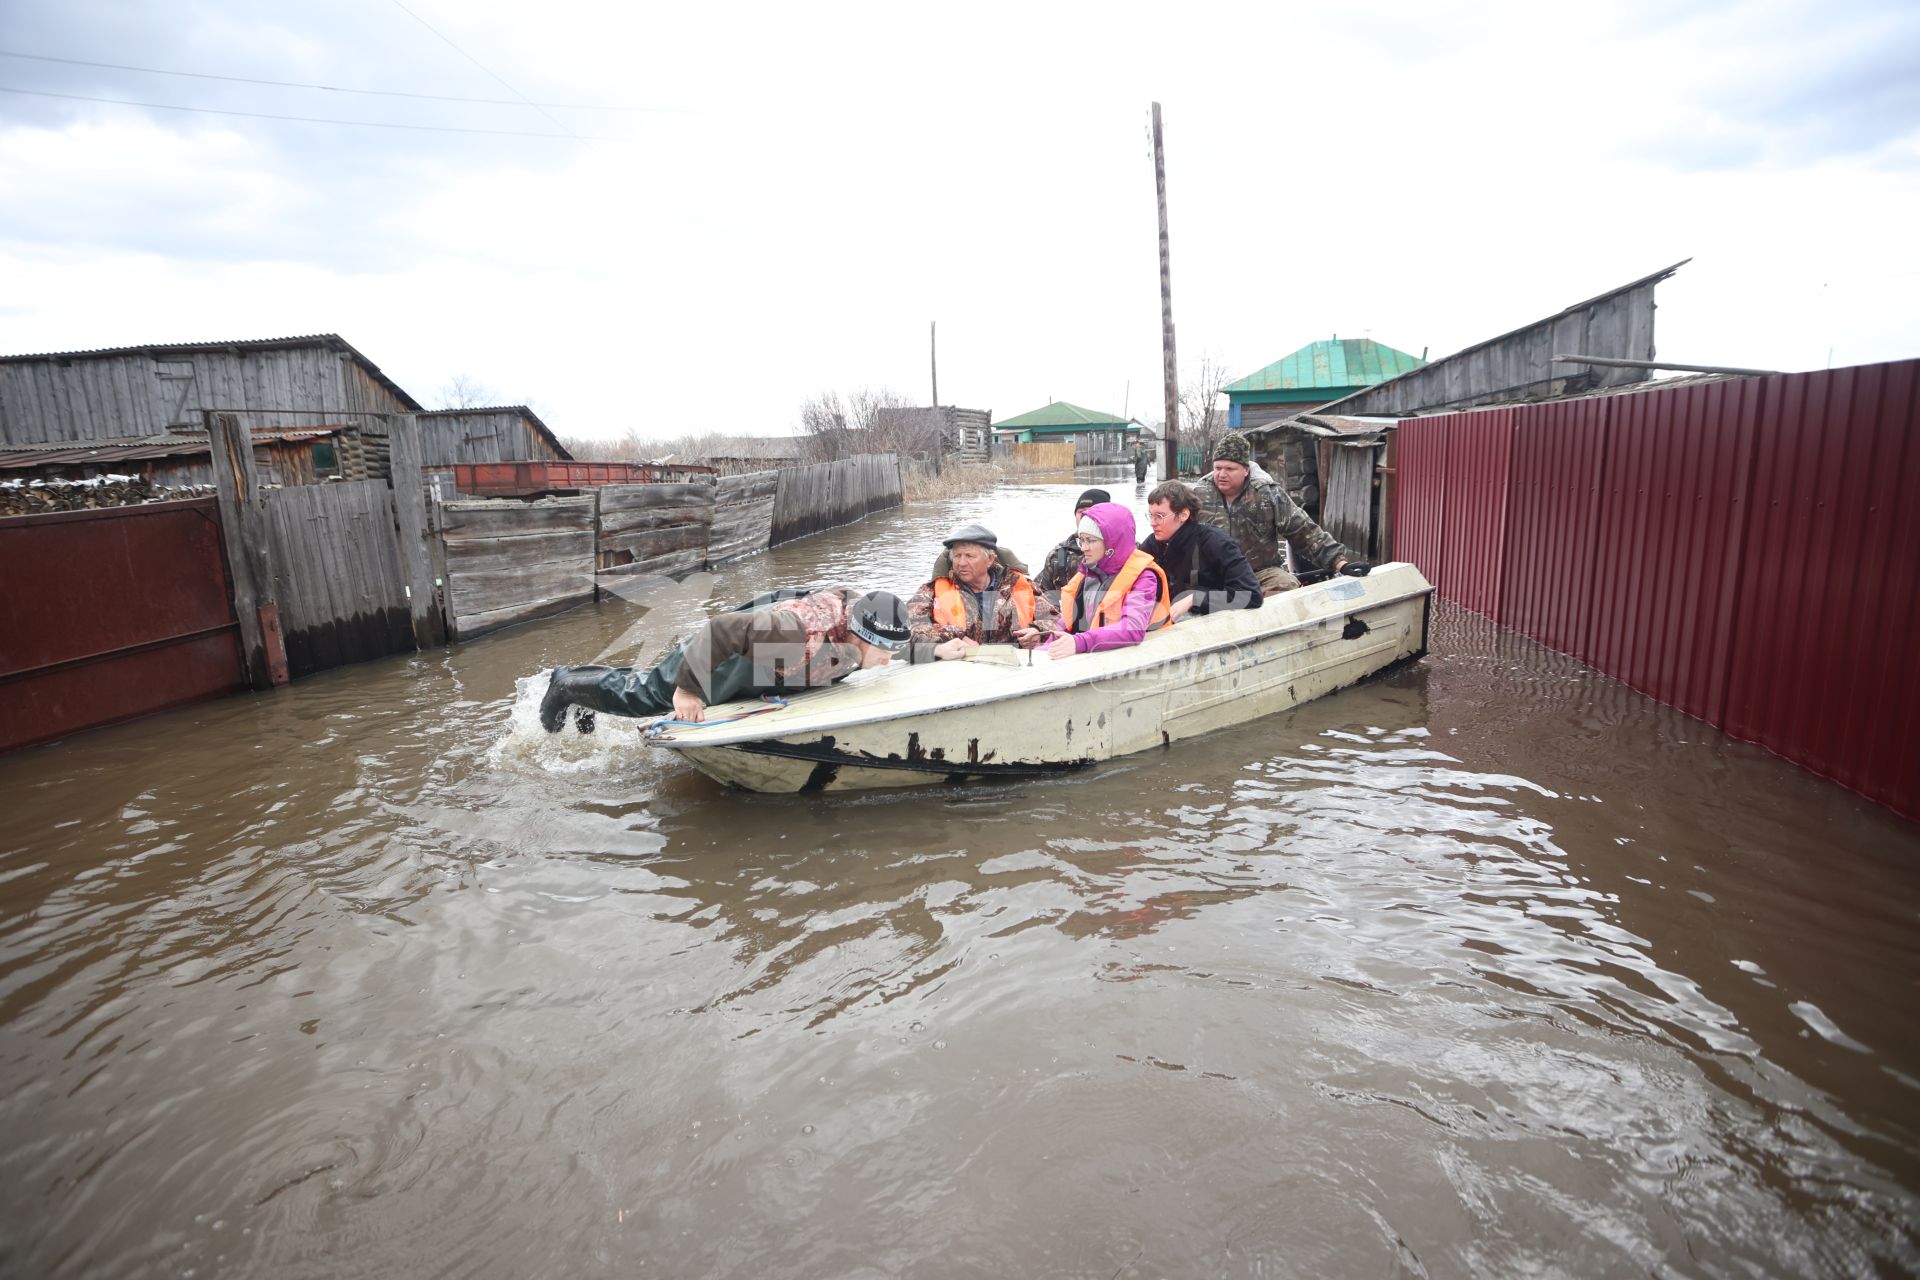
<point>37,496</point>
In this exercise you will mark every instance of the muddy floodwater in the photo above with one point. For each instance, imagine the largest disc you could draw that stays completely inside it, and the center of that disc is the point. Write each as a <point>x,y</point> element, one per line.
<point>1491,967</point>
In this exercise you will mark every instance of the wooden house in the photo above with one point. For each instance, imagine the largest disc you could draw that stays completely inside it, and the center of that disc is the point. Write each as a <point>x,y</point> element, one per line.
<point>1096,437</point>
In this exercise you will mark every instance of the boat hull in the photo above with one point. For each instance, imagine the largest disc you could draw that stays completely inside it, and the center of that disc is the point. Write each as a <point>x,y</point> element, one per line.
<point>953,722</point>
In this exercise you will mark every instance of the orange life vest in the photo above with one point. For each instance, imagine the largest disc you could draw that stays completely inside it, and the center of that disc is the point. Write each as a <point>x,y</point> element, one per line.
<point>1110,604</point>
<point>950,606</point>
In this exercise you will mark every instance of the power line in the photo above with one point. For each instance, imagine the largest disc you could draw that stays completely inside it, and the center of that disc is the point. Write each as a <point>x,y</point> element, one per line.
<point>476,62</point>
<point>329,88</point>
<point>262,115</point>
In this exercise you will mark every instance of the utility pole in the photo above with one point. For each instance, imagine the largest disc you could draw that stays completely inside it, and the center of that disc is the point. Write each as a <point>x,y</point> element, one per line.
<point>1166,306</point>
<point>933,354</point>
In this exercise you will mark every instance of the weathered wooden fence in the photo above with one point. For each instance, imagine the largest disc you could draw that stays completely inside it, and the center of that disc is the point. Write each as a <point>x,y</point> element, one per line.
<point>829,494</point>
<point>336,573</point>
<point>742,515</point>
<point>654,528</point>
<point>509,561</point>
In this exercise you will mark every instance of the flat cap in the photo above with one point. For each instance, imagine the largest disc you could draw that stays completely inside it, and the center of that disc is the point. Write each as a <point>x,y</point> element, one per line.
<point>977,533</point>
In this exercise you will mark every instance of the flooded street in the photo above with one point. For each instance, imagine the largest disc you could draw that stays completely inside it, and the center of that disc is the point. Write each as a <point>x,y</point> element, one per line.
<point>1489,967</point>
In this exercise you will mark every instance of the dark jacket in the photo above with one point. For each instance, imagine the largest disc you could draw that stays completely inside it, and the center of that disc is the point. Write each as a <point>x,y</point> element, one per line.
<point>1061,564</point>
<point>1204,560</point>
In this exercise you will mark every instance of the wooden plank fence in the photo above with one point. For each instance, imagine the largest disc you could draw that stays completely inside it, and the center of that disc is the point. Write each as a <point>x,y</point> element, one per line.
<point>828,494</point>
<point>742,515</point>
<point>336,572</point>
<point>509,561</point>
<point>653,528</point>
<point>1055,457</point>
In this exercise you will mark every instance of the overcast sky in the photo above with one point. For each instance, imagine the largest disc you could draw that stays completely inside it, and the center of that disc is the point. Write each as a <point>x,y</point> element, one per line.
<point>740,207</point>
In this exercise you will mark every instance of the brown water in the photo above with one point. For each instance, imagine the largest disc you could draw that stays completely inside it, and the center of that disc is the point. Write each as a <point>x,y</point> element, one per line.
<point>1492,967</point>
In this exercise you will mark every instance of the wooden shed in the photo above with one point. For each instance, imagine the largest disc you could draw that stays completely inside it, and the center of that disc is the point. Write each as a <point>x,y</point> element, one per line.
<point>134,393</point>
<point>498,433</point>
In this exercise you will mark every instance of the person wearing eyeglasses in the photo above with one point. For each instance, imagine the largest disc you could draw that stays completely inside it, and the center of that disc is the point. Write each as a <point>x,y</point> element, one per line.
<point>1064,560</point>
<point>1206,570</point>
<point>1119,593</point>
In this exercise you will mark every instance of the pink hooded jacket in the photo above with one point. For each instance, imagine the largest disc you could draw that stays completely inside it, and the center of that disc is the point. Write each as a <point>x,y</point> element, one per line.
<point>1116,527</point>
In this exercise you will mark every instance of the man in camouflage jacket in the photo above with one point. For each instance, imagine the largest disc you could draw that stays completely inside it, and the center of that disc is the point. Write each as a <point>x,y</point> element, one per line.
<point>1260,515</point>
<point>988,590</point>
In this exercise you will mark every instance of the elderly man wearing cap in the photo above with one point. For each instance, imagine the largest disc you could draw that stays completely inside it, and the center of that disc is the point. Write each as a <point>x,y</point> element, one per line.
<point>1064,560</point>
<point>1261,517</point>
<point>775,643</point>
<point>976,596</point>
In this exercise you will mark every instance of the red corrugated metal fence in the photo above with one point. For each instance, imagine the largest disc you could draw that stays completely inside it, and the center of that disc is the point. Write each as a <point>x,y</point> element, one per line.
<point>112,614</point>
<point>1747,551</point>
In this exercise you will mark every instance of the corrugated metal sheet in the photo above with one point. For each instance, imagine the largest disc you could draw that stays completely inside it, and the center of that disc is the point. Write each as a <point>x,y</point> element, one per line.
<point>1339,363</point>
<point>1059,414</point>
<point>1829,593</point>
<point>130,612</point>
<point>1745,550</point>
<point>1553,535</point>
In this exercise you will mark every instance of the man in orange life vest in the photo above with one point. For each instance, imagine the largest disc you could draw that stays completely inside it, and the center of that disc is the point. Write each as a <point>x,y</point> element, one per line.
<point>975,598</point>
<point>1119,594</point>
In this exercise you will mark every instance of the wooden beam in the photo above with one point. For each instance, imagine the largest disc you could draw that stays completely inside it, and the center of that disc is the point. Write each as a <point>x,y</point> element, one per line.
<point>248,537</point>
<point>1610,363</point>
<point>410,516</point>
<point>1170,373</point>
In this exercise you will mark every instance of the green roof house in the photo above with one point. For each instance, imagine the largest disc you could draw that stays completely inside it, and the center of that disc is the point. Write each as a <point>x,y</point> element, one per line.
<point>1096,436</point>
<point>1312,376</point>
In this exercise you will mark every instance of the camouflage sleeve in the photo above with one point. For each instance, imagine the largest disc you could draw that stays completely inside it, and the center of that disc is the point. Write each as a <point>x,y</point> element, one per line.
<point>1308,539</point>
<point>1044,609</point>
<point>1055,572</point>
<point>920,614</point>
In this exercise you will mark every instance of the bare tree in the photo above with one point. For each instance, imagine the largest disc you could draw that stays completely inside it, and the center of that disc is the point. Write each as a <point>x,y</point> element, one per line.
<point>464,392</point>
<point>1203,413</point>
<point>861,422</point>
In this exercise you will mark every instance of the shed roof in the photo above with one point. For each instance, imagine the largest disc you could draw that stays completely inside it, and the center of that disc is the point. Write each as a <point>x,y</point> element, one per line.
<point>174,444</point>
<point>1337,362</point>
<point>332,341</point>
<point>532,418</point>
<point>1060,414</point>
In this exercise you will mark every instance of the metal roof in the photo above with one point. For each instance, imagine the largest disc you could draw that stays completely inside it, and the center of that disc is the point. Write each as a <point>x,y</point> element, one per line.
<point>1060,414</point>
<point>331,341</point>
<point>1338,362</point>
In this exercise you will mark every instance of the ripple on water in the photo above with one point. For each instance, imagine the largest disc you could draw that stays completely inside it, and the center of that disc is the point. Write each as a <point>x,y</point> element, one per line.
<point>1489,967</point>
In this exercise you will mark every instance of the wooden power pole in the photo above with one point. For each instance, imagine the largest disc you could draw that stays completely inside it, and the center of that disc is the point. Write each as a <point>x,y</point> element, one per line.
<point>933,355</point>
<point>1166,307</point>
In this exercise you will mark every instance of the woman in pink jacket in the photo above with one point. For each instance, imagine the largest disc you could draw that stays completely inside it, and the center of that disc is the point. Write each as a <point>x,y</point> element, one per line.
<point>1119,594</point>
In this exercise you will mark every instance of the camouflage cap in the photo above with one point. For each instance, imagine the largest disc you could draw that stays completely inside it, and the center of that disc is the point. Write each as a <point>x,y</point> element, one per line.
<point>1233,447</point>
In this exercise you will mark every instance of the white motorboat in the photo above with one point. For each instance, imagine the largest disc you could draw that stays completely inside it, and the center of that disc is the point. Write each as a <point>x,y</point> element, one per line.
<point>1008,713</point>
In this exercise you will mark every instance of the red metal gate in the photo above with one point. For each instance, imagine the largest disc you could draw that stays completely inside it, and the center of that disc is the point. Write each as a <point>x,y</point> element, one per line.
<point>1747,551</point>
<point>112,614</point>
